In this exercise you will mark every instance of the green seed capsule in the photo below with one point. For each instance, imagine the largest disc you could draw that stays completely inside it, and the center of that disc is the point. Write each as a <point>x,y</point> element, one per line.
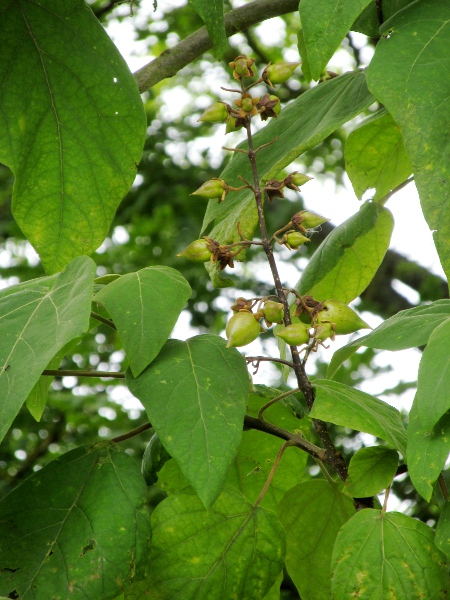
<point>242,329</point>
<point>197,251</point>
<point>273,312</point>
<point>345,319</point>
<point>295,334</point>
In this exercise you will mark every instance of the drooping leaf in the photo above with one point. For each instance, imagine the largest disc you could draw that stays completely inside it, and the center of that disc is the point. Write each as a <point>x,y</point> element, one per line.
<point>77,526</point>
<point>389,555</point>
<point>346,261</point>
<point>145,307</point>
<point>375,156</point>
<point>431,403</point>
<point>231,551</point>
<point>36,322</point>
<point>442,539</point>
<point>368,21</point>
<point>324,25</point>
<point>195,394</point>
<point>370,471</point>
<point>300,126</point>
<point>347,406</point>
<point>407,329</point>
<point>72,126</point>
<point>211,12</point>
<point>312,514</point>
<point>412,57</point>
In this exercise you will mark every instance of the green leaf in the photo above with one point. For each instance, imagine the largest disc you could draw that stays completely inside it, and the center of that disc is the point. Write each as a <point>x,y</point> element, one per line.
<point>303,51</point>
<point>145,307</point>
<point>325,24</point>
<point>371,471</point>
<point>431,403</point>
<point>78,525</point>
<point>300,126</point>
<point>232,551</point>
<point>367,22</point>
<point>254,461</point>
<point>37,320</point>
<point>407,62</point>
<point>195,394</point>
<point>211,13</point>
<point>347,406</point>
<point>407,329</point>
<point>389,555</point>
<point>442,539</point>
<point>375,156</point>
<point>346,261</point>
<point>72,126</point>
<point>312,514</point>
<point>280,413</point>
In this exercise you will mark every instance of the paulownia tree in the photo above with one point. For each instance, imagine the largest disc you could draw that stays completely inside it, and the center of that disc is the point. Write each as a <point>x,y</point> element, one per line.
<point>234,507</point>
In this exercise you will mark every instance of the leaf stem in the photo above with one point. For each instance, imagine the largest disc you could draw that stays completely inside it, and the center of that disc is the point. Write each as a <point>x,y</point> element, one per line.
<point>443,487</point>
<point>274,400</point>
<point>103,320</point>
<point>272,473</point>
<point>132,433</point>
<point>69,373</point>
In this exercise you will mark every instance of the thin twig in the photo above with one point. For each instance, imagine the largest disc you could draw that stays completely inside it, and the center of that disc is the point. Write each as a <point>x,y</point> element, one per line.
<point>384,199</point>
<point>272,473</point>
<point>133,433</point>
<point>274,400</point>
<point>103,320</point>
<point>257,359</point>
<point>443,487</point>
<point>72,373</point>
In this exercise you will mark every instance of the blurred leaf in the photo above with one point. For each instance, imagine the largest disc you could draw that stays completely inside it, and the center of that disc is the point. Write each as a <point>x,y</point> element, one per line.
<point>72,126</point>
<point>155,456</point>
<point>431,403</point>
<point>407,329</point>
<point>145,307</point>
<point>346,261</point>
<point>37,321</point>
<point>324,25</point>
<point>370,471</point>
<point>375,156</point>
<point>195,394</point>
<point>410,59</point>
<point>312,514</point>
<point>300,126</point>
<point>78,525</point>
<point>195,551</point>
<point>347,406</point>
<point>366,558</point>
<point>211,12</point>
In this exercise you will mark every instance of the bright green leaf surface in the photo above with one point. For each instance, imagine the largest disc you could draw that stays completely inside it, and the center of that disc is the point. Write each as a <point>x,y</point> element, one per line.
<point>211,12</point>
<point>303,51</point>
<point>35,323</point>
<point>274,593</point>
<point>432,401</point>
<point>346,261</point>
<point>442,538</point>
<point>195,394</point>
<point>387,556</point>
<point>280,413</point>
<point>312,514</point>
<point>145,307</point>
<point>254,462</point>
<point>325,24</point>
<point>375,156</point>
<point>231,551</point>
<point>407,329</point>
<point>370,471</point>
<point>300,126</point>
<point>77,528</point>
<point>414,57</point>
<point>347,406</point>
<point>72,125</point>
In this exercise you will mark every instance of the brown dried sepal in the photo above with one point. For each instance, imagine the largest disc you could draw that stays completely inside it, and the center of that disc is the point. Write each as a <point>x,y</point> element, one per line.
<point>307,306</point>
<point>266,107</point>
<point>273,189</point>
<point>242,304</point>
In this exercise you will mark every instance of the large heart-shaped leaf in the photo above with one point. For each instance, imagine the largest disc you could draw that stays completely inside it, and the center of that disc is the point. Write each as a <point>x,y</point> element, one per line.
<point>391,555</point>
<point>312,514</point>
<point>36,321</point>
<point>370,471</point>
<point>145,307</point>
<point>77,528</point>
<point>300,126</point>
<point>412,58</point>
<point>232,551</point>
<point>72,125</point>
<point>195,394</point>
